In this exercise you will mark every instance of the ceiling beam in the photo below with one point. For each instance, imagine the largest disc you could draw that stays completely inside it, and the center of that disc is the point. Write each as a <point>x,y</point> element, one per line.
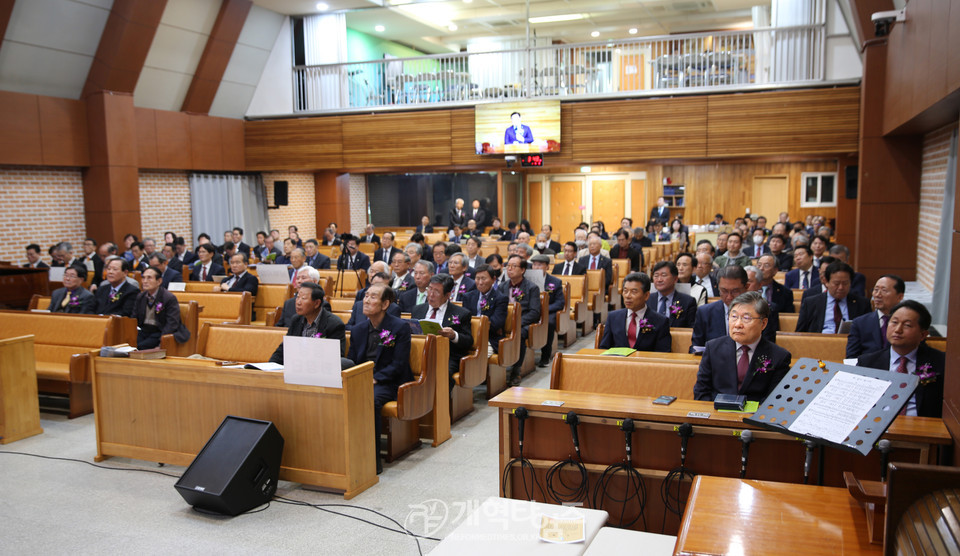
<point>216,56</point>
<point>124,46</point>
<point>6,8</point>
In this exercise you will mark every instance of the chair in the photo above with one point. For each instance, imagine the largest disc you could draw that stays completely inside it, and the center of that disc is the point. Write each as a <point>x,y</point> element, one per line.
<point>473,370</point>
<point>508,352</point>
<point>536,336</point>
<point>415,399</point>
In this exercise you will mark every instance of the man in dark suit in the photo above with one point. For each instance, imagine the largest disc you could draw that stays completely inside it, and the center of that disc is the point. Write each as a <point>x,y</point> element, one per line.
<point>180,248</point>
<point>868,332</point>
<point>425,227</point>
<point>858,282</point>
<point>712,319</point>
<point>314,258</point>
<point>457,216</point>
<point>269,252</point>
<point>204,269</point>
<point>680,308</point>
<point>454,320</point>
<point>370,235</point>
<point>402,277</point>
<point>457,267</point>
<point>496,229</point>
<point>622,250</point>
<point>33,257</point>
<point>758,246</point>
<point>157,312</point>
<point>439,256</point>
<point>742,362</point>
<point>241,280</point>
<point>73,297</point>
<point>422,272</point>
<point>139,262</point>
<point>173,262</point>
<point>820,286</point>
<point>594,260</point>
<point>356,312</point>
<point>486,301</point>
<point>570,265</point>
<point>289,310</point>
<point>554,288</point>
<point>478,215</point>
<point>909,353</point>
<point>774,292</point>
<point>313,320</point>
<point>778,244</point>
<point>386,251</point>
<point>330,237</point>
<point>238,242</point>
<point>167,274</point>
<point>704,275</point>
<point>824,312</point>
<point>385,340</point>
<point>635,326</point>
<point>118,296</point>
<point>298,263</point>
<point>552,245</point>
<point>353,258</point>
<point>519,289</point>
<point>804,273</point>
<point>474,258</point>
<point>660,212</point>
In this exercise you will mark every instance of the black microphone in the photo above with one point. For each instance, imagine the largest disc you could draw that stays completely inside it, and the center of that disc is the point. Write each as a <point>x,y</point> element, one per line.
<point>627,427</point>
<point>884,447</point>
<point>746,437</point>
<point>685,431</point>
<point>521,414</point>
<point>808,460</point>
<point>572,420</point>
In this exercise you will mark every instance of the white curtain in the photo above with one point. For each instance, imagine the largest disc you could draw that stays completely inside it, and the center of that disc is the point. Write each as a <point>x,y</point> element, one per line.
<point>221,202</point>
<point>761,44</point>
<point>325,42</point>
<point>941,277</point>
<point>797,54</point>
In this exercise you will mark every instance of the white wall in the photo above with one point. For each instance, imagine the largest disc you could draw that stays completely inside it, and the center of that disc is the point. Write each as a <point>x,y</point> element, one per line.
<point>274,93</point>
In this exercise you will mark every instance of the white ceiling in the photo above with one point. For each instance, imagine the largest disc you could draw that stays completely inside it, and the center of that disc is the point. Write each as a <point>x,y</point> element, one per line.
<point>424,23</point>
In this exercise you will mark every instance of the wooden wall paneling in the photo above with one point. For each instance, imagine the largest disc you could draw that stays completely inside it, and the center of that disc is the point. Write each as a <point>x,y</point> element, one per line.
<point>462,145</point>
<point>147,147</point>
<point>216,54</point>
<point>409,139</point>
<point>624,130</point>
<point>937,36</point>
<point>608,202</point>
<point>332,200</point>
<point>123,47</point>
<point>566,155</point>
<point>231,142</point>
<point>565,199</point>
<point>952,50</point>
<point>173,139</point>
<point>6,8</point>
<point>535,204</point>
<point>63,132</point>
<point>638,206</point>
<point>206,150</point>
<point>510,186</point>
<point>294,144</point>
<point>20,141</point>
<point>783,122</point>
<point>846,232</point>
<point>111,129</point>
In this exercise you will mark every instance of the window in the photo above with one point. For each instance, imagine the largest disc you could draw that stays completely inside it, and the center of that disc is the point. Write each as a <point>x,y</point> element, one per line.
<point>818,189</point>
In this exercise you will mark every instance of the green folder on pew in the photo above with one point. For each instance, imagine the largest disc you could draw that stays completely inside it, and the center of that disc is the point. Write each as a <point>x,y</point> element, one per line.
<point>619,352</point>
<point>430,327</point>
<point>749,407</point>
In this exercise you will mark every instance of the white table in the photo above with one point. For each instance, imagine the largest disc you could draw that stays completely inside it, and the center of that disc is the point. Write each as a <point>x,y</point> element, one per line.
<point>611,540</point>
<point>503,526</point>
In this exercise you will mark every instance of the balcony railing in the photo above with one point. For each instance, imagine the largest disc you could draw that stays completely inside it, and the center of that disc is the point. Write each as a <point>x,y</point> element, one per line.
<point>700,62</point>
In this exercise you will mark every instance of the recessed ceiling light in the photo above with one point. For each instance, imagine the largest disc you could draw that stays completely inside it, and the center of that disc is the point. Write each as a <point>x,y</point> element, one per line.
<point>555,18</point>
<point>452,27</point>
<point>322,6</point>
<point>595,34</point>
<point>380,28</point>
<point>467,1</point>
<point>633,30</point>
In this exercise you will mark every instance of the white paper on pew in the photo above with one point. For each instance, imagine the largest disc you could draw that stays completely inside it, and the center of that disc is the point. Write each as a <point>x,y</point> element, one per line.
<point>177,287</point>
<point>311,361</point>
<point>56,273</point>
<point>273,274</point>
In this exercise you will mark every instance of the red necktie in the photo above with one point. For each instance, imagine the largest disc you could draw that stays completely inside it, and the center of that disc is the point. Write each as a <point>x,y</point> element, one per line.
<point>883,331</point>
<point>743,366</point>
<point>203,274</point>
<point>433,315</point>
<point>593,263</point>
<point>632,330</point>
<point>837,316</point>
<point>294,279</point>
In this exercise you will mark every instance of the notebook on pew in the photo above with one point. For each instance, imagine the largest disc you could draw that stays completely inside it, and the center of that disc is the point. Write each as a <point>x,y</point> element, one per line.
<point>619,352</point>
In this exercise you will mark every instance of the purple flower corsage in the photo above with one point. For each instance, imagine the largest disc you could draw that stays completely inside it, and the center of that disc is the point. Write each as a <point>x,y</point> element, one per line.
<point>463,288</point>
<point>157,308</point>
<point>387,339</point>
<point>644,326</point>
<point>676,310</point>
<point>74,301</point>
<point>484,306</point>
<point>454,319</point>
<point>764,364</point>
<point>925,374</point>
<point>115,297</point>
<point>517,294</point>
<point>551,287</point>
<point>318,335</point>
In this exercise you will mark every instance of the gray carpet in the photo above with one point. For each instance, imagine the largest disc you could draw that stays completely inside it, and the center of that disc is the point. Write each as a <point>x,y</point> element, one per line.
<point>65,507</point>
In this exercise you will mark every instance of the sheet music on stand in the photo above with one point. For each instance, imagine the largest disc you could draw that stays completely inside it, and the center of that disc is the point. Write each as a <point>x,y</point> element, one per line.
<point>834,404</point>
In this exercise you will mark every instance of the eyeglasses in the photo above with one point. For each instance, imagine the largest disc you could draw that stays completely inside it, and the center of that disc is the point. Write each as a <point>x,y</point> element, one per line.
<point>745,319</point>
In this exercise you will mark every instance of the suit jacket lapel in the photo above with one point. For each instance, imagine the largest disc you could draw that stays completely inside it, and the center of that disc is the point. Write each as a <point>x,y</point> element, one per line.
<point>761,351</point>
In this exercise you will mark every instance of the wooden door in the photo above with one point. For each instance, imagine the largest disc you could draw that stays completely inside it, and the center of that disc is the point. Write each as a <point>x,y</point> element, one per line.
<point>608,202</point>
<point>771,195</point>
<point>565,200</point>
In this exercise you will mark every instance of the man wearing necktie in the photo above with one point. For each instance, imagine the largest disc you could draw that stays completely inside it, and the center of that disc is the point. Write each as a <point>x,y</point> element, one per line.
<point>517,133</point>
<point>73,297</point>
<point>908,353</point>
<point>868,333</point>
<point>636,326</point>
<point>826,311</point>
<point>773,291</point>
<point>457,216</point>
<point>804,274</point>
<point>422,272</point>
<point>679,307</point>
<point>487,301</point>
<point>570,266</point>
<point>454,320</point>
<point>117,296</point>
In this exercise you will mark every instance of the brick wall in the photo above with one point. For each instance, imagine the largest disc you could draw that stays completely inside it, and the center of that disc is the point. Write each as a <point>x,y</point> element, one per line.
<point>358,204</point>
<point>936,147</point>
<point>165,205</point>
<point>39,205</point>
<point>301,209</point>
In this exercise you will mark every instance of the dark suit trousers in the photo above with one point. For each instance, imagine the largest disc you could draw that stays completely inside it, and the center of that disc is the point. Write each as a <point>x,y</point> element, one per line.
<point>148,339</point>
<point>381,395</point>
<point>524,333</point>
<point>547,350</point>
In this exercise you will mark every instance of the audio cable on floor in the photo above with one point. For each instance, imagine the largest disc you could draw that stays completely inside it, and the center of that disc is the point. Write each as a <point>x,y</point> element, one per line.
<point>633,488</point>
<point>557,487</point>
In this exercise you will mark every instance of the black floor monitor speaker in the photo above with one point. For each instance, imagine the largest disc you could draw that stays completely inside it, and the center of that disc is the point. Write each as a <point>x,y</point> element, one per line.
<point>237,470</point>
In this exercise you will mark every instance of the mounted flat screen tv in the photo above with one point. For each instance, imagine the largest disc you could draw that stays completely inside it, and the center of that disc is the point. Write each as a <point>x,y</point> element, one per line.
<point>517,127</point>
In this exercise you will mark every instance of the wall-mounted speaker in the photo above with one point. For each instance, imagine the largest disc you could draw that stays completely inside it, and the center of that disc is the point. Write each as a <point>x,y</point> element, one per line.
<point>850,176</point>
<point>280,193</point>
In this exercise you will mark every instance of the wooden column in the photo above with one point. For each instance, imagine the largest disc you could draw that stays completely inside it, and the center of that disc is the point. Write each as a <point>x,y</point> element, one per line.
<point>333,200</point>
<point>216,56</point>
<point>111,189</point>
<point>951,385</point>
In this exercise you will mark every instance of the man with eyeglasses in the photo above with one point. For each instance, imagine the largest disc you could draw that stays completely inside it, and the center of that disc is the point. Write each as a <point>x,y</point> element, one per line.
<point>712,321</point>
<point>742,362</point>
<point>519,289</point>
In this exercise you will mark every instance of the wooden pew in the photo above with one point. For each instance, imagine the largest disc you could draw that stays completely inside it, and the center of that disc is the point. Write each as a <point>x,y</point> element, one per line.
<point>536,336</point>
<point>576,306</point>
<point>218,308</point>
<point>269,297</point>
<point>788,322</point>
<point>829,347</point>
<point>19,404</point>
<point>621,267</point>
<point>236,342</point>
<point>201,287</point>
<point>623,375</point>
<point>416,399</point>
<point>63,345</point>
<point>680,339</point>
<point>352,282</point>
<point>190,317</point>
<point>473,370</point>
<point>508,352</point>
<point>596,299</point>
<point>341,305</point>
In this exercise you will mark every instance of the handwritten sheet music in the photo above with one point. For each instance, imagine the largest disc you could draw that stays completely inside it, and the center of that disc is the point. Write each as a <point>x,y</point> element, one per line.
<point>840,406</point>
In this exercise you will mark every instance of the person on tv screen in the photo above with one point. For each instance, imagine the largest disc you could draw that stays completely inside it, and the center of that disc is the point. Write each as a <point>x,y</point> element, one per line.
<point>517,134</point>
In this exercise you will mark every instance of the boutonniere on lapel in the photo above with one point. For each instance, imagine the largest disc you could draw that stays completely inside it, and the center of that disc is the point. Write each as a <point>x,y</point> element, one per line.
<point>463,289</point>
<point>157,308</point>
<point>676,310</point>
<point>403,287</point>
<point>516,294</point>
<point>387,339</point>
<point>454,319</point>
<point>551,287</point>
<point>763,365</point>
<point>115,297</point>
<point>925,374</point>
<point>74,301</point>
<point>644,326</point>
<point>318,335</point>
<point>484,306</point>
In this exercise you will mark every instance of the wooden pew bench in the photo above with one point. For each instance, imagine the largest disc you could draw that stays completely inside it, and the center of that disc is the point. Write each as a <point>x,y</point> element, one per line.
<point>190,317</point>
<point>829,347</point>
<point>576,306</point>
<point>269,297</point>
<point>19,404</point>
<point>508,352</point>
<point>217,308</point>
<point>623,375</point>
<point>241,343</point>
<point>473,370</point>
<point>63,346</point>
